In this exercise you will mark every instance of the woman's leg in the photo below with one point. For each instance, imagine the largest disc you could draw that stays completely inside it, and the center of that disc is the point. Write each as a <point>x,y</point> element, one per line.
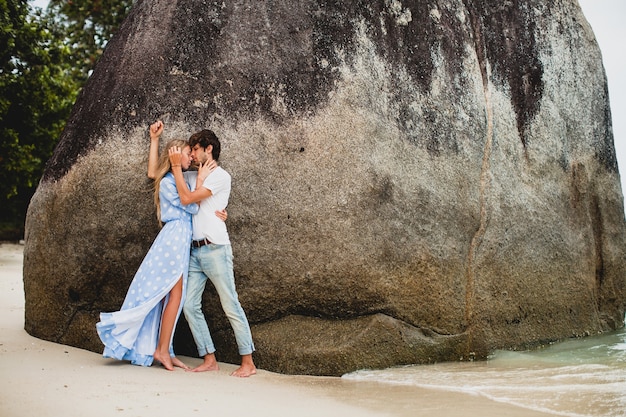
<point>168,320</point>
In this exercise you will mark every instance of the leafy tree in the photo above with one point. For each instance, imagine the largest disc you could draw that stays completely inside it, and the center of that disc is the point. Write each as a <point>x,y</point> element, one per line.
<point>89,25</point>
<point>37,90</point>
<point>45,58</point>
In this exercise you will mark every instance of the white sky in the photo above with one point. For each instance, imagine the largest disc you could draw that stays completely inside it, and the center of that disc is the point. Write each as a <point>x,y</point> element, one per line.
<point>607,19</point>
<point>39,3</point>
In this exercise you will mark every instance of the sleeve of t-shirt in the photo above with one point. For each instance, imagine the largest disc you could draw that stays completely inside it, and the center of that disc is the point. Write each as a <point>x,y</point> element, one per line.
<point>216,183</point>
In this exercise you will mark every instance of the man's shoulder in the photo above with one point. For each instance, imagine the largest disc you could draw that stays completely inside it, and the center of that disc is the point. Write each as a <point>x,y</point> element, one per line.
<point>221,172</point>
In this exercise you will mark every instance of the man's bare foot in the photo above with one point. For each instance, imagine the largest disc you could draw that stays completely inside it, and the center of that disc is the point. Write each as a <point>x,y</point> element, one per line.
<point>246,369</point>
<point>209,364</point>
<point>177,362</point>
<point>165,360</point>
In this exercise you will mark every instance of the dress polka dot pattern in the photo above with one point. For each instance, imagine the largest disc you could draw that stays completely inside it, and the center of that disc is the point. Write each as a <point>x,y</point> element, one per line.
<point>132,333</point>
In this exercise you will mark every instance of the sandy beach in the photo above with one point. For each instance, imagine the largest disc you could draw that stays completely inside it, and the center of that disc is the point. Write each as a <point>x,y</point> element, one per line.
<point>42,379</point>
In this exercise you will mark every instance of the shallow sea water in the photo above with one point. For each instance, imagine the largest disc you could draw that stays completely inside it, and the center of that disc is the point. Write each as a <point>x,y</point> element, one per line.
<point>575,378</point>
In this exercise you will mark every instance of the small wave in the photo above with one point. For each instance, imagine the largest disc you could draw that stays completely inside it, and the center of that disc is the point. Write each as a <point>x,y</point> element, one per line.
<point>579,378</point>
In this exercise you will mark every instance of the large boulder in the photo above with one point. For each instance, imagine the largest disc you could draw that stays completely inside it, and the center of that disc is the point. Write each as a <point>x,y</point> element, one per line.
<point>413,181</point>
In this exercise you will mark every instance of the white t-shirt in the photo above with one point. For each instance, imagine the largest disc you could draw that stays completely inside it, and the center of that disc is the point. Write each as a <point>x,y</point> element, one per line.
<point>206,225</point>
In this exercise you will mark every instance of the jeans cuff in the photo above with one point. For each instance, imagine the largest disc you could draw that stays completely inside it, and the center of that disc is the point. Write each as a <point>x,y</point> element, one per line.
<point>202,352</point>
<point>246,350</point>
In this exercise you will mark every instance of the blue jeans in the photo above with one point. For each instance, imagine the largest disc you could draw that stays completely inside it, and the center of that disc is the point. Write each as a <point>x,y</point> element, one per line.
<point>215,262</point>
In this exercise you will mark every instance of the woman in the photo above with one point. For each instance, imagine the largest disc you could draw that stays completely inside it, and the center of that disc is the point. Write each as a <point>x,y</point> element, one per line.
<point>142,331</point>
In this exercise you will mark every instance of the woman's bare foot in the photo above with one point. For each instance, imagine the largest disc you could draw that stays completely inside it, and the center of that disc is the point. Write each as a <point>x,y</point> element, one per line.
<point>178,363</point>
<point>165,360</point>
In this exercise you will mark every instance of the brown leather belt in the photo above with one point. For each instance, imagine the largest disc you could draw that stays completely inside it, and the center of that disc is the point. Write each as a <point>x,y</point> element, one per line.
<point>200,243</point>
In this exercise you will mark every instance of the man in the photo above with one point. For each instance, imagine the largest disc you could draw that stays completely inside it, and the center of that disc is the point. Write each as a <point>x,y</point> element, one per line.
<point>211,252</point>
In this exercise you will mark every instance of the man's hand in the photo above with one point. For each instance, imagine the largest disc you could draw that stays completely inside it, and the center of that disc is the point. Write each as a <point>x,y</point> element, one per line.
<point>176,155</point>
<point>221,214</point>
<point>156,129</point>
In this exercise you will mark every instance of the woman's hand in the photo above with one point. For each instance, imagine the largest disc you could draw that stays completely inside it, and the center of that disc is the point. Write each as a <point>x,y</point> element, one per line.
<point>156,129</point>
<point>221,214</point>
<point>204,170</point>
<point>176,156</point>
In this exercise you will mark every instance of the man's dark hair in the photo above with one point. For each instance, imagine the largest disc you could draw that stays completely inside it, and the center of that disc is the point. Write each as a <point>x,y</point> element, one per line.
<point>204,138</point>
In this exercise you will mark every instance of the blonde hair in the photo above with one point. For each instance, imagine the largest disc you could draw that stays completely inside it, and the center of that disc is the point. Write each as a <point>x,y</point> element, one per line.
<point>163,168</point>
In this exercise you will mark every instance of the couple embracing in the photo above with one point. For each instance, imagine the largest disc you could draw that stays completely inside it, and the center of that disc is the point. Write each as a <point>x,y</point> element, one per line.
<point>192,246</point>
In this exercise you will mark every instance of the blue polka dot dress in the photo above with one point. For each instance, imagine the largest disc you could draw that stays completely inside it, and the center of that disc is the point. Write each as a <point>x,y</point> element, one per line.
<point>133,332</point>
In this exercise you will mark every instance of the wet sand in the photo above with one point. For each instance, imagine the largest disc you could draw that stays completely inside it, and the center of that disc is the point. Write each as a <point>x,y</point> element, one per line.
<point>44,379</point>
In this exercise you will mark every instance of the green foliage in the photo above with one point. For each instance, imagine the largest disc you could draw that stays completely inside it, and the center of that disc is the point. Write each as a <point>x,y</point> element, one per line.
<point>89,24</point>
<point>45,58</point>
